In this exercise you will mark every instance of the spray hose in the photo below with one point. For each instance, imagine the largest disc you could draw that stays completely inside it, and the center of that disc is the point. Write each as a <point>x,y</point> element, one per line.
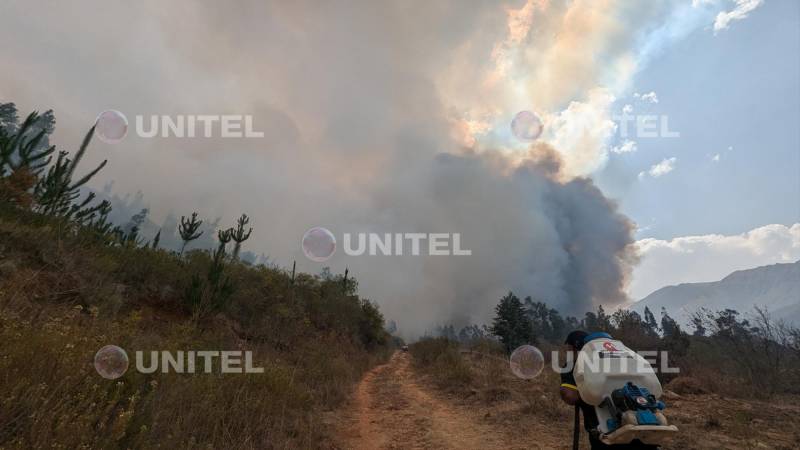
<point>576,433</point>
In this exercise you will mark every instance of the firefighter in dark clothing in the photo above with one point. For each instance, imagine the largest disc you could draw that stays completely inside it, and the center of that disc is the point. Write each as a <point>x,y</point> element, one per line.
<point>570,396</point>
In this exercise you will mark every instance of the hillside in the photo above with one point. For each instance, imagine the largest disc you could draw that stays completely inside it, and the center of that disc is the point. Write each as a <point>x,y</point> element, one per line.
<point>776,286</point>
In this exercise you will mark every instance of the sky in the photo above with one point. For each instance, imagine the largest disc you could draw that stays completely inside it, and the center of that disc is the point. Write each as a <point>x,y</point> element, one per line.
<point>394,117</point>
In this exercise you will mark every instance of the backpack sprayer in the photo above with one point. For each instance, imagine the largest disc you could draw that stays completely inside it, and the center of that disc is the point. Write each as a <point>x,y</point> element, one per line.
<point>624,390</point>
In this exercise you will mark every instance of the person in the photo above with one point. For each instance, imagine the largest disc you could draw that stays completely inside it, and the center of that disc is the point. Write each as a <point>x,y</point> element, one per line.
<point>571,396</point>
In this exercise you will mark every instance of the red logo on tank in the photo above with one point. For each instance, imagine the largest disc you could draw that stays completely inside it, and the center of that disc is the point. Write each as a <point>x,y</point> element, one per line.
<point>610,347</point>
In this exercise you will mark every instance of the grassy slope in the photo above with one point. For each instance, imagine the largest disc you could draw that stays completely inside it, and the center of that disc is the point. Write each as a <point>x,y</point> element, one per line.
<point>63,295</point>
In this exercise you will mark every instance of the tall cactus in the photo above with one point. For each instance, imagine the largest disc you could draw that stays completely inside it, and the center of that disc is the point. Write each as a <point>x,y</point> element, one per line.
<point>224,237</point>
<point>188,230</point>
<point>239,235</point>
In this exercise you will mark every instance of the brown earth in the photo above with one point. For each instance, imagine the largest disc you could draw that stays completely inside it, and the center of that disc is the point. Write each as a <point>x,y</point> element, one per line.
<point>396,407</point>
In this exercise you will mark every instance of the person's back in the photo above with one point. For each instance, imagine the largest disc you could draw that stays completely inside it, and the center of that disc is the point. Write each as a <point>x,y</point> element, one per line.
<point>570,395</point>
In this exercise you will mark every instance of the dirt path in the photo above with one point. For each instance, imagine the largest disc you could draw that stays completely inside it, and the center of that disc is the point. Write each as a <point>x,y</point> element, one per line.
<point>392,410</point>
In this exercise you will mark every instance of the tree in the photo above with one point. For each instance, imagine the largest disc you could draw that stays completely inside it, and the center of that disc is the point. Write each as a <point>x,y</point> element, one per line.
<point>558,326</point>
<point>239,234</point>
<point>572,323</point>
<point>156,240</point>
<point>669,326</point>
<point>603,320</point>
<point>590,322</point>
<point>136,220</point>
<point>511,324</point>
<point>25,153</point>
<point>188,230</point>
<point>539,316</point>
<point>26,146</point>
<point>697,323</point>
<point>56,192</point>
<point>650,324</point>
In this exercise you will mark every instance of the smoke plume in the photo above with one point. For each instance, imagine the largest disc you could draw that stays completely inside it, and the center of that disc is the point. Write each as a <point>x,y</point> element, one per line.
<point>378,117</point>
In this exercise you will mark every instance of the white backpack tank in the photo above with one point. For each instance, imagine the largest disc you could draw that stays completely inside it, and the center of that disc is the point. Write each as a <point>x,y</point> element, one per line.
<point>605,364</point>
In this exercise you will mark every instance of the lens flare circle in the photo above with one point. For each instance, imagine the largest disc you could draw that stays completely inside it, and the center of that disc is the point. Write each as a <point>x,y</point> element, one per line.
<point>319,244</point>
<point>111,126</point>
<point>526,126</point>
<point>111,362</point>
<point>526,362</point>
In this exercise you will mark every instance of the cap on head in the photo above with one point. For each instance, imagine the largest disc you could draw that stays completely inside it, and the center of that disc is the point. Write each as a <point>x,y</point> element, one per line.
<point>575,339</point>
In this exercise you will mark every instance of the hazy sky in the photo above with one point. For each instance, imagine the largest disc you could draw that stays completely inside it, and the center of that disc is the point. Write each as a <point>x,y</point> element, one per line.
<point>394,117</point>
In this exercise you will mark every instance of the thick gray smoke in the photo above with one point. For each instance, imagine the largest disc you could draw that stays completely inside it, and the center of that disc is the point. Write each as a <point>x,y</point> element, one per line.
<point>562,242</point>
<point>358,138</point>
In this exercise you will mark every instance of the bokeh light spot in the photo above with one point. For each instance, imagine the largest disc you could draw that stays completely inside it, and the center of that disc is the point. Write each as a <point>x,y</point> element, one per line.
<point>111,126</point>
<point>526,126</point>
<point>111,362</point>
<point>527,362</point>
<point>319,244</point>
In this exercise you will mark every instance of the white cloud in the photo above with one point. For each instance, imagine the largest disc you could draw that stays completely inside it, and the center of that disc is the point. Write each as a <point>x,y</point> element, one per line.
<point>715,158</point>
<point>580,132</point>
<point>649,97</point>
<point>627,109</point>
<point>627,147</point>
<point>666,166</point>
<point>691,259</point>
<point>739,12</point>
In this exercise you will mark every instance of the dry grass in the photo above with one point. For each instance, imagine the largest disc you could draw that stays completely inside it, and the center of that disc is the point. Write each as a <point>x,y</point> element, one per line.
<point>442,360</point>
<point>533,409</point>
<point>63,296</point>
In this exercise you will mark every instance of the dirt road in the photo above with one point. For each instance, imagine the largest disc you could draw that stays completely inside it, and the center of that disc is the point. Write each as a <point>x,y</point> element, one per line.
<point>392,409</point>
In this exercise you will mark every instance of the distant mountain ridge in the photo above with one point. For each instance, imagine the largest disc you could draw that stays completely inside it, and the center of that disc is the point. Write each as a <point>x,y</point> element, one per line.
<point>776,286</point>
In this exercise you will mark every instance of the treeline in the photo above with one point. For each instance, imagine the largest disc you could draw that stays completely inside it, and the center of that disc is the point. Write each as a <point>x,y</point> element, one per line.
<point>753,353</point>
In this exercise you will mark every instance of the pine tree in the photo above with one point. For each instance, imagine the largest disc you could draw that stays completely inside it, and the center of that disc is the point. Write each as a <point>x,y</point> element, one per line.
<point>188,230</point>
<point>25,147</point>
<point>56,192</point>
<point>511,324</point>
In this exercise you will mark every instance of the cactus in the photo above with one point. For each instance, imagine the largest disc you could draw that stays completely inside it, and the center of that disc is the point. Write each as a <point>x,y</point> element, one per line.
<point>239,235</point>
<point>210,294</point>
<point>224,237</point>
<point>188,230</point>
